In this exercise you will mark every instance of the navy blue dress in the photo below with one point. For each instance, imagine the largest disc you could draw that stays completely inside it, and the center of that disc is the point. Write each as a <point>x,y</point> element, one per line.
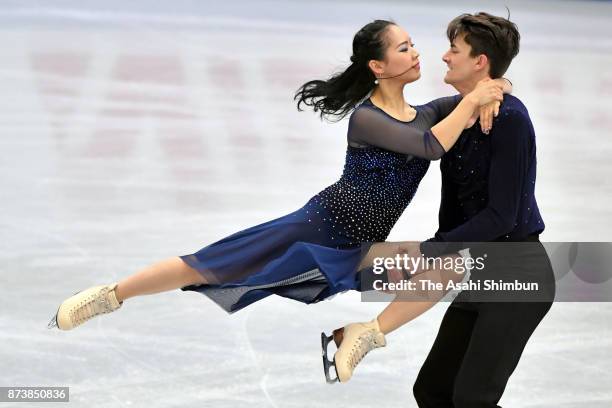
<point>313,252</point>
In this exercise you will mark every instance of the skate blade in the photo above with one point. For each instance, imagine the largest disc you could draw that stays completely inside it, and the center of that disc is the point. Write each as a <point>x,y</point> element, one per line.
<point>53,323</point>
<point>327,363</point>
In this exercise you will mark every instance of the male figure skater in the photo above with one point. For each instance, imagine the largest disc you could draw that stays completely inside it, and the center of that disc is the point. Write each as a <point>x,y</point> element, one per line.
<point>488,184</point>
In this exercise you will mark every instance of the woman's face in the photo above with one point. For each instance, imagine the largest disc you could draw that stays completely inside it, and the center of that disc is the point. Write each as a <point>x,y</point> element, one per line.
<point>402,58</point>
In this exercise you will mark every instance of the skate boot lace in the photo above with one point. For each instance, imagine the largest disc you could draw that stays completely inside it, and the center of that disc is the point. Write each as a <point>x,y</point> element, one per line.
<point>93,305</point>
<point>363,345</point>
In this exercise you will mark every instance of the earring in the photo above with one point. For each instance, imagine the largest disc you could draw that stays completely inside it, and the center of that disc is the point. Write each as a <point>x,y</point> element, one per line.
<point>376,81</point>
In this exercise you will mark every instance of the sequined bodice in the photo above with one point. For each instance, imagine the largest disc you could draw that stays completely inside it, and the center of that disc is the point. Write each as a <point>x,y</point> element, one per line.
<point>375,188</point>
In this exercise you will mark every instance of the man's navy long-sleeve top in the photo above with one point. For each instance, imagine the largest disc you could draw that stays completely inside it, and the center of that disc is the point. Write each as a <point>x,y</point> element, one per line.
<point>488,183</point>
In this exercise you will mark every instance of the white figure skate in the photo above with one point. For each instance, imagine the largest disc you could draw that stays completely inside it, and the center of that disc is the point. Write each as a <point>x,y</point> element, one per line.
<point>353,341</point>
<point>85,305</point>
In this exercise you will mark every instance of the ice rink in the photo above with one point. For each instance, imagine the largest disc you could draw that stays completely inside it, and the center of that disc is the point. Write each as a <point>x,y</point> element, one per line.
<point>136,131</point>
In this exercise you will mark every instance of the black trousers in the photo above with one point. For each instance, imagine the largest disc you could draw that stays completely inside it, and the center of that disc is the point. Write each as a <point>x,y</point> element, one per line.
<point>477,348</point>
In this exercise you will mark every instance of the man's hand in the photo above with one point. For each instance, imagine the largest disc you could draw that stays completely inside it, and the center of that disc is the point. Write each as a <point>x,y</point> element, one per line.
<point>413,250</point>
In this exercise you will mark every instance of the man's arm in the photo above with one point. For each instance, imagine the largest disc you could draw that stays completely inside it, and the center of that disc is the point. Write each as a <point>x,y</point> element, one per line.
<point>507,172</point>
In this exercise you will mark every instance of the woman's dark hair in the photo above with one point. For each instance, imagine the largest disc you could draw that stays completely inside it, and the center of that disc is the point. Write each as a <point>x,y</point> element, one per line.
<point>338,95</point>
<point>496,37</point>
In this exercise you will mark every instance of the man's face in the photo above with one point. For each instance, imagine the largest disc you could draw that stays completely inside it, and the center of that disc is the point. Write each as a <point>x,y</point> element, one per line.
<point>461,66</point>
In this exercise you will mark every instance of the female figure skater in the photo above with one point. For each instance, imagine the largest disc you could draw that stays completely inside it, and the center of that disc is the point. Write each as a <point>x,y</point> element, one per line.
<point>312,253</point>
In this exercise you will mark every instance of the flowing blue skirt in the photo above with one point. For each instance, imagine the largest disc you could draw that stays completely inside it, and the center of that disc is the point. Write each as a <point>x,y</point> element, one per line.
<point>300,256</point>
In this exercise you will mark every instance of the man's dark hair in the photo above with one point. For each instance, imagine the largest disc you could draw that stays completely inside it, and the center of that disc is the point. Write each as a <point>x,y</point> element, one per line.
<point>496,37</point>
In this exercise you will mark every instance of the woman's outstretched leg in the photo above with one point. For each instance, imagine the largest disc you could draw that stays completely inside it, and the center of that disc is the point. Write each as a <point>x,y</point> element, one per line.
<point>408,306</point>
<point>355,340</point>
<point>168,274</point>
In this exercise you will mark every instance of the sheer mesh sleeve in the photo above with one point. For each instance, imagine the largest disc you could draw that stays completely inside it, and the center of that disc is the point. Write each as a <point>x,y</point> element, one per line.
<point>444,106</point>
<point>371,126</point>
